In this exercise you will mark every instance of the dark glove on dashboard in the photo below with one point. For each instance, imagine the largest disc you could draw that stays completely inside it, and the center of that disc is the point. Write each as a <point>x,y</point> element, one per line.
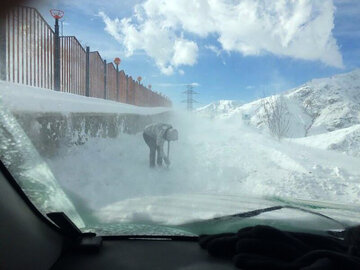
<point>264,247</point>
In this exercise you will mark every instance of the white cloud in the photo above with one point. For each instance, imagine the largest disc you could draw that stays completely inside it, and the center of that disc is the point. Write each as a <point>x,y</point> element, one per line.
<point>214,49</point>
<point>300,29</point>
<point>161,44</point>
<point>111,26</point>
<point>185,52</point>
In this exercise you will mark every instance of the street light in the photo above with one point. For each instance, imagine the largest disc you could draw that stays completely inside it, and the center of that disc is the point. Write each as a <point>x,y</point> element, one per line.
<point>139,79</point>
<point>117,61</point>
<point>57,15</point>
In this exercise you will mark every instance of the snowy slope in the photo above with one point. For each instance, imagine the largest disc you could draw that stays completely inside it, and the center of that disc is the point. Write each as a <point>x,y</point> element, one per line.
<point>333,102</point>
<point>252,113</point>
<point>26,98</point>
<point>346,140</point>
<point>220,108</point>
<point>318,107</point>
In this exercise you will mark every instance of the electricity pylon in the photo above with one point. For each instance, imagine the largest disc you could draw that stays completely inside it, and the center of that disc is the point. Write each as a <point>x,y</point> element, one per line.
<point>189,97</point>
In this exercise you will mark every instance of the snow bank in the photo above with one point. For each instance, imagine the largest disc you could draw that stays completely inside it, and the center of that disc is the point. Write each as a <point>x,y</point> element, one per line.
<point>52,118</point>
<point>346,140</point>
<point>26,98</point>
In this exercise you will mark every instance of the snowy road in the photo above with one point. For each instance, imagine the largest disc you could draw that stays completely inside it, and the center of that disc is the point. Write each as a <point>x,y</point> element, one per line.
<point>211,157</point>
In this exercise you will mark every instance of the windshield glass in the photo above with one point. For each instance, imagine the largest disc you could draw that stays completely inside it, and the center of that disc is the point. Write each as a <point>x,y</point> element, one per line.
<point>158,117</point>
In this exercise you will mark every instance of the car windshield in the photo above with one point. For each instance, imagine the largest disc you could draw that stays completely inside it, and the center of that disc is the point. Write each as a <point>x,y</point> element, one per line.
<point>173,117</point>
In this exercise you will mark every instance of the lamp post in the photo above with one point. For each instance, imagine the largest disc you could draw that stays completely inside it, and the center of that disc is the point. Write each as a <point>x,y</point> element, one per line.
<point>117,62</point>
<point>57,14</point>
<point>137,94</point>
<point>139,79</point>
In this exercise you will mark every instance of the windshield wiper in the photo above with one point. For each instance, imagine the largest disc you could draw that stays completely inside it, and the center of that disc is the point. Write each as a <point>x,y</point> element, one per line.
<point>84,241</point>
<point>257,212</point>
<point>248,214</point>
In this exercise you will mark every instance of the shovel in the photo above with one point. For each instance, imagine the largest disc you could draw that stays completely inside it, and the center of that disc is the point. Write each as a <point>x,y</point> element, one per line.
<point>168,153</point>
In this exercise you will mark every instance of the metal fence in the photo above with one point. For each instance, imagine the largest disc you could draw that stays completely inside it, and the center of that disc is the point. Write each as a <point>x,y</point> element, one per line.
<point>29,48</point>
<point>111,82</point>
<point>72,66</point>
<point>29,55</point>
<point>96,75</point>
<point>122,86</point>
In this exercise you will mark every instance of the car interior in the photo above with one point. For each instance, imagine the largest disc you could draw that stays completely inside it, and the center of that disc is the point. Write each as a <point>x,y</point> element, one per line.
<point>31,241</point>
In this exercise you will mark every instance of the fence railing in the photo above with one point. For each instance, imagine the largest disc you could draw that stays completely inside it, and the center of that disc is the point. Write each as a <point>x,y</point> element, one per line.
<point>29,55</point>
<point>72,66</point>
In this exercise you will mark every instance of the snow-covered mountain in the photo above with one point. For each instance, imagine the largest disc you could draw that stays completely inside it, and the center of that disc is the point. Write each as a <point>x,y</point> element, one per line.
<point>220,108</point>
<point>334,101</point>
<point>319,107</point>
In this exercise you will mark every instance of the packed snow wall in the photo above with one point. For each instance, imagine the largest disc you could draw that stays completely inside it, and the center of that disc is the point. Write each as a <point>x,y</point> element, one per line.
<point>50,130</point>
<point>53,118</point>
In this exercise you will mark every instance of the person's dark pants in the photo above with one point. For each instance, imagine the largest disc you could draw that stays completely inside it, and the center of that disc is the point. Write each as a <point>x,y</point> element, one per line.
<point>151,142</point>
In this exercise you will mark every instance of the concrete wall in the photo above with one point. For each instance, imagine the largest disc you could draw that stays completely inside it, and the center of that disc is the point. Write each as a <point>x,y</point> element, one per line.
<point>49,131</point>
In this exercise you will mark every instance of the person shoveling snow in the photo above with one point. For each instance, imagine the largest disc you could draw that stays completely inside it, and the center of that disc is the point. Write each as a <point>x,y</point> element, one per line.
<point>155,136</point>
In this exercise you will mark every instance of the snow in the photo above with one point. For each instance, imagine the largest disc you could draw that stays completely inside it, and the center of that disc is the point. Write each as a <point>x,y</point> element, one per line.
<point>26,98</point>
<point>321,105</point>
<point>227,160</point>
<point>221,107</point>
<point>346,140</point>
<point>336,100</point>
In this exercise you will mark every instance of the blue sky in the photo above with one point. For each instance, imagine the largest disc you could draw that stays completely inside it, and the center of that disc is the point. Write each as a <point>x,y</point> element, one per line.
<point>268,49</point>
